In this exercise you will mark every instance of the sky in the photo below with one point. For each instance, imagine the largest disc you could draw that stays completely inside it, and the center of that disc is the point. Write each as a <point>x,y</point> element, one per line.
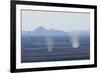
<point>65,21</point>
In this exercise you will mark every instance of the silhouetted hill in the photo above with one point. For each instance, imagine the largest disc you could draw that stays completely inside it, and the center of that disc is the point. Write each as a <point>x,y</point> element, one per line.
<point>40,31</point>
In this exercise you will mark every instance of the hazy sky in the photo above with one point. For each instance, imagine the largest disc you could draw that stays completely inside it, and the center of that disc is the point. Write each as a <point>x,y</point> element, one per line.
<point>66,21</point>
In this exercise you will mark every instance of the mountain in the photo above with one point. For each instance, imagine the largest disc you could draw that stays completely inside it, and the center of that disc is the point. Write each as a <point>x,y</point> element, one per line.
<point>40,31</point>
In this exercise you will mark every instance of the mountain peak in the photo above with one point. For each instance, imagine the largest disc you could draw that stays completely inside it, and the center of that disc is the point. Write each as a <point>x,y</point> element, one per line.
<point>40,29</point>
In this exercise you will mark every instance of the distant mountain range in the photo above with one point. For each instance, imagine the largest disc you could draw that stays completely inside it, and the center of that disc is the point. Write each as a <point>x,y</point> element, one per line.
<point>40,31</point>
